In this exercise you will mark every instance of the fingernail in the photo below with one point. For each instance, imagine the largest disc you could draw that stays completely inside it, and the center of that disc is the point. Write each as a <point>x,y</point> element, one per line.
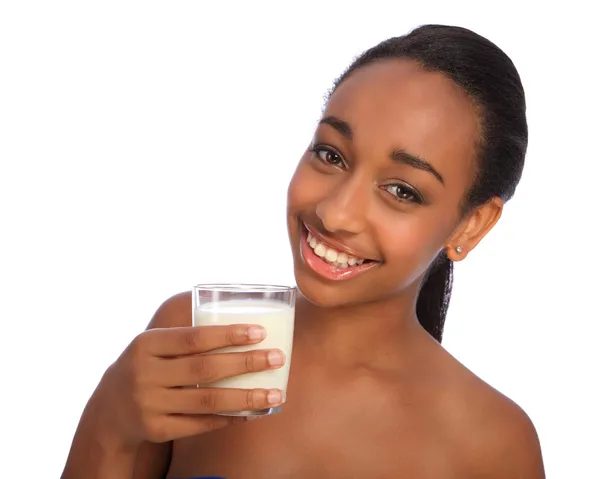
<point>275,396</point>
<point>256,333</point>
<point>275,358</point>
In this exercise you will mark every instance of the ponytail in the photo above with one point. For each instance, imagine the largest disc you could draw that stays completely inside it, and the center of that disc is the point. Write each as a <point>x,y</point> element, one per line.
<point>434,297</point>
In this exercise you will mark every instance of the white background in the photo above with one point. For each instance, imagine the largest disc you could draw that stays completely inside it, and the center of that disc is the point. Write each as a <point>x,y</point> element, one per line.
<point>148,147</point>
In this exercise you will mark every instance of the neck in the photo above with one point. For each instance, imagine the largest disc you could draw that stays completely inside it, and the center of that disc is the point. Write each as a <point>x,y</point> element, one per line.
<point>372,335</point>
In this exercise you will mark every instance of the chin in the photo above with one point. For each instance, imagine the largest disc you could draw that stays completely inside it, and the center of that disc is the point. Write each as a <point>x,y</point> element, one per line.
<point>318,295</point>
<point>325,294</point>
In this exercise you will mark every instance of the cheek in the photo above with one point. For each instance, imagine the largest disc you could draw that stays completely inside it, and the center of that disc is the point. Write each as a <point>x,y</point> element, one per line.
<point>305,188</point>
<point>294,193</point>
<point>412,241</point>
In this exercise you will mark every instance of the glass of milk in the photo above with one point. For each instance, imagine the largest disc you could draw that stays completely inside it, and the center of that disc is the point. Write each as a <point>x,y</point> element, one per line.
<point>271,307</point>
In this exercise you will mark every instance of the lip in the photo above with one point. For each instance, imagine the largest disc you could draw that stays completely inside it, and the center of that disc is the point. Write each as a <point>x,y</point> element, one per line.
<point>326,270</point>
<point>333,244</point>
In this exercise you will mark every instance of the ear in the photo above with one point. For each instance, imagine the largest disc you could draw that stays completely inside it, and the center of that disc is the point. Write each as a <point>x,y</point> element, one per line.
<point>473,228</point>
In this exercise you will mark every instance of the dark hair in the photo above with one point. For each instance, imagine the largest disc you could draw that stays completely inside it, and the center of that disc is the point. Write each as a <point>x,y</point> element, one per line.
<point>490,78</point>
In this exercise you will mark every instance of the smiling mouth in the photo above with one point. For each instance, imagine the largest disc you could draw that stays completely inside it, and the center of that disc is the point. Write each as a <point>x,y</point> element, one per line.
<point>336,258</point>
<point>329,262</point>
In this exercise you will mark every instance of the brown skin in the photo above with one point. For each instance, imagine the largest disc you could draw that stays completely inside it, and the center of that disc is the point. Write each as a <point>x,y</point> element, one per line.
<point>371,394</point>
<point>149,397</point>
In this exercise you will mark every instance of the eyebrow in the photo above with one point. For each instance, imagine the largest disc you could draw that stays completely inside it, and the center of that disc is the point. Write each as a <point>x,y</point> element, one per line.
<point>398,155</point>
<point>340,125</point>
<point>402,156</point>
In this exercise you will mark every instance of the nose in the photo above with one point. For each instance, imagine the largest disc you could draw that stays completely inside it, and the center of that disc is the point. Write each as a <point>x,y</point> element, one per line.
<point>344,210</point>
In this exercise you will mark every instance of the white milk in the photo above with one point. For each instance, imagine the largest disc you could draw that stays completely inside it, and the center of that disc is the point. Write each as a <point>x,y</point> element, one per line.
<point>278,320</point>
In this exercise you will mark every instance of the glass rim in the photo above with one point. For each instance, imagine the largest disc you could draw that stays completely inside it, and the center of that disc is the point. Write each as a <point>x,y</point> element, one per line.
<point>243,288</point>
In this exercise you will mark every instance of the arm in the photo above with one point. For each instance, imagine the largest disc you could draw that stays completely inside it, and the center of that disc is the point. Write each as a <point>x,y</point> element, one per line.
<point>144,397</point>
<point>153,461</point>
<point>94,455</point>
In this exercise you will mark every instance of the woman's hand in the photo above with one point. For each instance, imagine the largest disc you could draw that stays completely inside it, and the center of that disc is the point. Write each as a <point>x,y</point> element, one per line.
<point>150,392</point>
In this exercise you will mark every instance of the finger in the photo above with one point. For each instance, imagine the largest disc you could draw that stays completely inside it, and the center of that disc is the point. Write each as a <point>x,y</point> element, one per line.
<point>180,426</point>
<point>169,342</point>
<point>207,368</point>
<point>217,400</point>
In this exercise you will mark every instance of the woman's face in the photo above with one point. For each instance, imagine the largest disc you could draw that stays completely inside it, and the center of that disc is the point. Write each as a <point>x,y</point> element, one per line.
<point>382,181</point>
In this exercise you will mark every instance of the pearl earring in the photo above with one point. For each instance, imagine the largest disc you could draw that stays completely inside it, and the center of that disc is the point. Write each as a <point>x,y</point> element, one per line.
<point>459,249</point>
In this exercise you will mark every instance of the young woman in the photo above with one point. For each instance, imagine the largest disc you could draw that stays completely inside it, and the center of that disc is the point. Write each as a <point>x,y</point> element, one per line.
<point>422,141</point>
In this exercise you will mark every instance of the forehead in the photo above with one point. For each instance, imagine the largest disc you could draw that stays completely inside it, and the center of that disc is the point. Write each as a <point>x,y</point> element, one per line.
<point>397,104</point>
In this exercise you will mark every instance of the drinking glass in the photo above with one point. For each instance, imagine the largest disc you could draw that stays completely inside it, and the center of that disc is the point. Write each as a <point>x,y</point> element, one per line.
<point>271,307</point>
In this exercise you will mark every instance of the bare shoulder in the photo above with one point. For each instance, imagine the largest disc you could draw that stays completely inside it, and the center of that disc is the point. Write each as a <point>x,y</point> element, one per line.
<point>491,434</point>
<point>174,312</point>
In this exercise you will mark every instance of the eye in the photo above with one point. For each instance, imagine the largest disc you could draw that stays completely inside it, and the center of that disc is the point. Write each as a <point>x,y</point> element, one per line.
<point>404,193</point>
<point>328,155</point>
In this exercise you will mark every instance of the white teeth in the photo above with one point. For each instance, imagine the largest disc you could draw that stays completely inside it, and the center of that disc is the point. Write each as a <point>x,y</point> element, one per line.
<point>331,255</point>
<point>320,250</point>
<point>338,259</point>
